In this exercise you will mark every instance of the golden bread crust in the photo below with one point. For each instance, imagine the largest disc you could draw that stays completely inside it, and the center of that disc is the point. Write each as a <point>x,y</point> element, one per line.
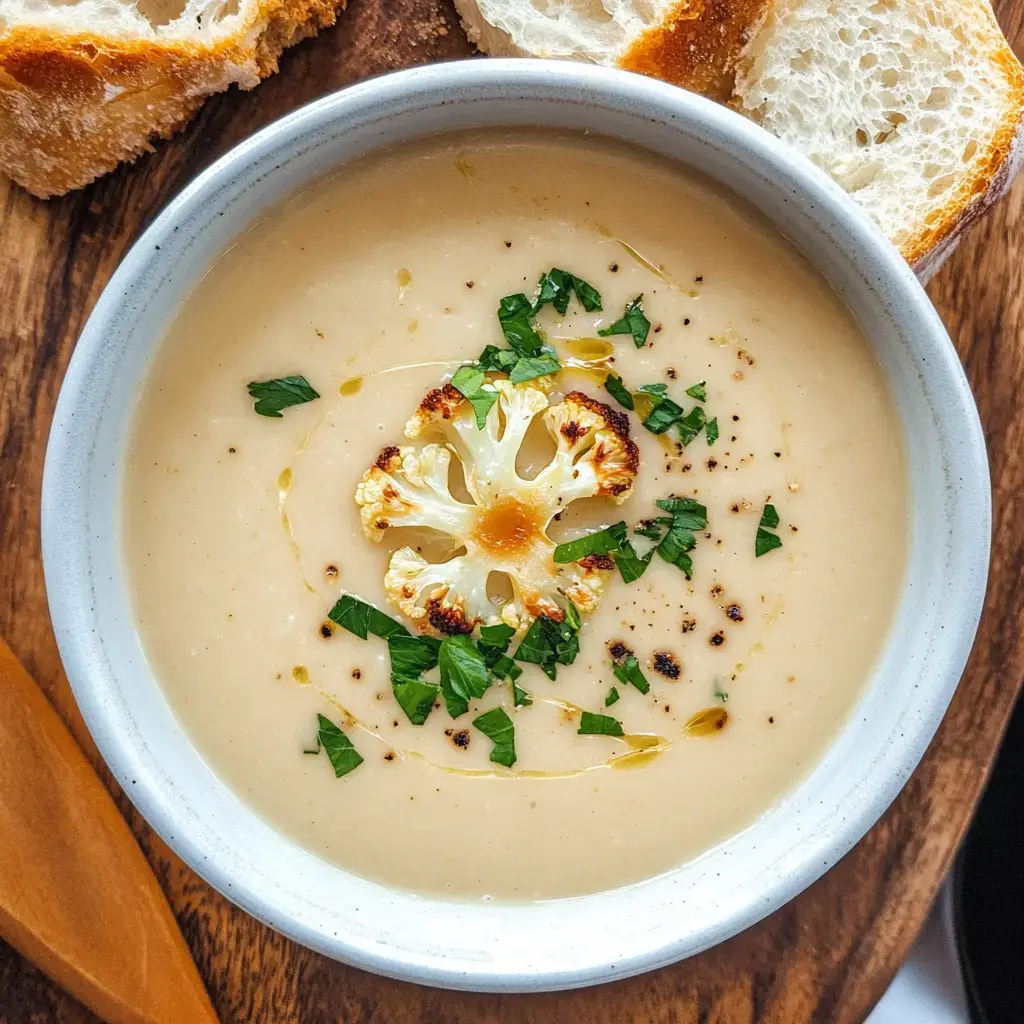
<point>74,105</point>
<point>697,44</point>
<point>990,176</point>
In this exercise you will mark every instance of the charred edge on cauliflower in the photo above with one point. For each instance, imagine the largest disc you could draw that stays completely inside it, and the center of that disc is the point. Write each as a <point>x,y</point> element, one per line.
<point>445,401</point>
<point>618,423</point>
<point>449,619</point>
<point>390,458</point>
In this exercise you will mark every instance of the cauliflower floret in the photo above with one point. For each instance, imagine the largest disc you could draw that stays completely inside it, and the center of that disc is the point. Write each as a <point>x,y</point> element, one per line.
<point>505,530</point>
<point>409,487</point>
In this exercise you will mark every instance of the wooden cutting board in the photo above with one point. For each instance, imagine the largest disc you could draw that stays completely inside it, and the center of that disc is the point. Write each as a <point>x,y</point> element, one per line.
<point>826,956</point>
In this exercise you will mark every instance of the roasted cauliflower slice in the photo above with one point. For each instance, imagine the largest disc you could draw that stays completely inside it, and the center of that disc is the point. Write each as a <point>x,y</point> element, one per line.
<point>505,530</point>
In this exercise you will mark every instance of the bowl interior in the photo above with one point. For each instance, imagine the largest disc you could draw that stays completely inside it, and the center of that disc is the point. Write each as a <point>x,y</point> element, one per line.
<point>559,943</point>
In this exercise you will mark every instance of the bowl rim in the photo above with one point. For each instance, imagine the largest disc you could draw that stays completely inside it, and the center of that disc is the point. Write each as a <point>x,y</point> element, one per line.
<point>71,584</point>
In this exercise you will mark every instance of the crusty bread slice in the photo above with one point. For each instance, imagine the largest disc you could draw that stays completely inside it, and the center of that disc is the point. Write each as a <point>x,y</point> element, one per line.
<point>914,106</point>
<point>84,86</point>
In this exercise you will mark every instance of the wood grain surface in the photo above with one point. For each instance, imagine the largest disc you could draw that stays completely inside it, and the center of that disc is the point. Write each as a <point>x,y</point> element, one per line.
<point>826,956</point>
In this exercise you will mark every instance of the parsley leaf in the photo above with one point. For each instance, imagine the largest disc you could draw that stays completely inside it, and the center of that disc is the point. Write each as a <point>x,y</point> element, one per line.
<point>629,672</point>
<point>690,425</point>
<point>611,698</point>
<point>454,704</point>
<point>600,542</point>
<point>663,415</point>
<point>720,694</point>
<point>614,386</point>
<point>499,359</point>
<point>653,529</point>
<point>658,390</point>
<point>463,668</point>
<point>361,618</point>
<point>631,566</point>
<point>280,393</point>
<point>711,431</point>
<point>599,725</point>
<point>469,381</point>
<point>685,512</point>
<point>698,391</point>
<point>632,322</point>
<point>572,616</point>
<point>766,541</point>
<point>416,699</point>
<point>497,727</point>
<point>411,656</point>
<point>549,643</point>
<point>344,757</point>
<point>530,367</point>
<point>674,547</point>
<point>589,297</point>
<point>520,698</point>
<point>497,636</point>
<point>514,312</point>
<point>558,286</point>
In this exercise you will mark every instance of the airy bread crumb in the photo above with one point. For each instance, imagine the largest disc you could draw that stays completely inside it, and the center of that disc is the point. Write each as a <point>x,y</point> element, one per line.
<point>913,106</point>
<point>86,86</point>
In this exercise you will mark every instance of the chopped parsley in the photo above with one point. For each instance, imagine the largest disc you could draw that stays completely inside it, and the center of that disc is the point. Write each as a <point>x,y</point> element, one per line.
<point>598,543</point>
<point>464,673</point>
<point>469,381</point>
<point>675,532</point>
<point>514,313</point>
<point>765,540</point>
<point>690,425</point>
<point>698,391</point>
<point>500,360</point>
<point>494,641</point>
<point>361,618</point>
<point>720,694</point>
<point>631,566</point>
<point>520,698</point>
<point>416,699</point>
<point>686,512</point>
<point>280,393</point>
<point>527,356</point>
<point>614,386</point>
<point>497,727</point>
<point>664,414</point>
<point>344,756</point>
<point>711,431</point>
<point>629,672</point>
<point>632,322</point>
<point>497,636</point>
<point>530,367</point>
<point>599,725</point>
<point>558,287</point>
<point>411,656</point>
<point>550,643</point>
<point>611,697</point>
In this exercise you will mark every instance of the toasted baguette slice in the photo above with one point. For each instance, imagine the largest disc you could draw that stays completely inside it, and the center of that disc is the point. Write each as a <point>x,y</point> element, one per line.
<point>87,85</point>
<point>913,106</point>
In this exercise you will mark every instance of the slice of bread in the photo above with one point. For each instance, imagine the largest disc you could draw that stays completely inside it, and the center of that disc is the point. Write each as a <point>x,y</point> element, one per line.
<point>914,106</point>
<point>86,85</point>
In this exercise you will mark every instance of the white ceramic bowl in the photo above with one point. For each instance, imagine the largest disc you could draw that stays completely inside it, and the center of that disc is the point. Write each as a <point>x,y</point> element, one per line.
<point>561,943</point>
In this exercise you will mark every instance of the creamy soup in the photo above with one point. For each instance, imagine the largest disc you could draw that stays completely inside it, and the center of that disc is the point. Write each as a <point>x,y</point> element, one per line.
<point>693,704</point>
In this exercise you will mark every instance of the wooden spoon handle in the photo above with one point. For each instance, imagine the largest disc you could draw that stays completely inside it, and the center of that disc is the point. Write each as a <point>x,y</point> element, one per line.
<point>77,897</point>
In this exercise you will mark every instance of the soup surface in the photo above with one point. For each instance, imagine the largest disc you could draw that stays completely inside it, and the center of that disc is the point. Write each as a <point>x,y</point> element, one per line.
<point>242,531</point>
